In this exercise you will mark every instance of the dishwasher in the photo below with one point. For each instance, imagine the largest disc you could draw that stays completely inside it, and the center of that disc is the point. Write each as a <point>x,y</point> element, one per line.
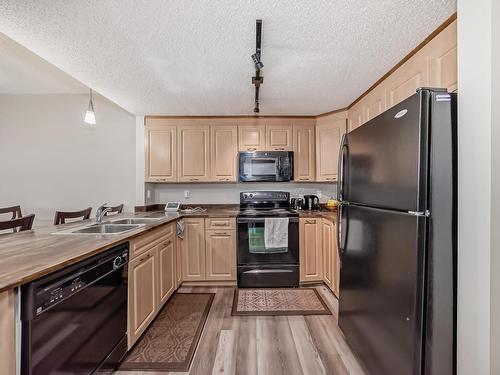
<point>74,321</point>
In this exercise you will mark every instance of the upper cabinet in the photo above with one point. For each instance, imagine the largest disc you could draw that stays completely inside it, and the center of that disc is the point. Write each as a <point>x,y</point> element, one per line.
<point>160,153</point>
<point>434,65</point>
<point>328,138</point>
<point>279,137</point>
<point>252,137</point>
<point>304,148</point>
<point>223,152</point>
<point>193,156</point>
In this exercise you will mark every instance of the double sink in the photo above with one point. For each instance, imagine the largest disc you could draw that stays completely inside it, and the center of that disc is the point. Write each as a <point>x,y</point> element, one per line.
<point>117,226</point>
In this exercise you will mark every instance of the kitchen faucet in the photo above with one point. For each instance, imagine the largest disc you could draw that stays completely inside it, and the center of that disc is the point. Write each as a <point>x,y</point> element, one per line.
<point>101,211</point>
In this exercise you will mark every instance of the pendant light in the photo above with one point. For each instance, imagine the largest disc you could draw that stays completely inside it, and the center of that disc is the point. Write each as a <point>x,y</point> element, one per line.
<point>90,115</point>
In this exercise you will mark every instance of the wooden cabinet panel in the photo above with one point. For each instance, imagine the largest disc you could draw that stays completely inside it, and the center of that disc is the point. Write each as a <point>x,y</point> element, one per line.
<point>220,223</point>
<point>374,103</point>
<point>166,270</point>
<point>178,262</point>
<point>223,152</point>
<point>311,262</point>
<point>442,57</point>
<point>327,244</point>
<point>221,255</point>
<point>355,117</point>
<point>304,152</point>
<point>193,250</point>
<point>279,137</point>
<point>142,297</point>
<point>148,240</point>
<point>8,330</point>
<point>193,153</point>
<point>252,137</point>
<point>328,138</point>
<point>161,153</point>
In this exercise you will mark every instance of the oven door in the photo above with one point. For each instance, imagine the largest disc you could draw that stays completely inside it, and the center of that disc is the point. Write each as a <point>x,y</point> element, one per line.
<point>251,248</point>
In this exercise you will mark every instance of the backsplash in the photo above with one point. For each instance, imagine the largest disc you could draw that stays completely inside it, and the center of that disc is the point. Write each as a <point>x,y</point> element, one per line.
<point>230,193</point>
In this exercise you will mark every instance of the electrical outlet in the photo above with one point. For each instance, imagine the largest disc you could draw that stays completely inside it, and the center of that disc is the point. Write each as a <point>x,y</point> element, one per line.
<point>148,194</point>
<point>187,194</point>
<point>319,193</point>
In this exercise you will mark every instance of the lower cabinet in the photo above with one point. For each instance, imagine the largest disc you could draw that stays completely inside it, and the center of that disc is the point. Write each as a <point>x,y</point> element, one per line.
<point>142,297</point>
<point>331,261</point>
<point>209,254</point>
<point>221,255</point>
<point>319,258</point>
<point>193,250</point>
<point>151,278</point>
<point>310,250</point>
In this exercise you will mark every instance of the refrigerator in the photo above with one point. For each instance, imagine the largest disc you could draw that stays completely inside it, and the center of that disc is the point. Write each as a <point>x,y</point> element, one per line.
<point>397,223</point>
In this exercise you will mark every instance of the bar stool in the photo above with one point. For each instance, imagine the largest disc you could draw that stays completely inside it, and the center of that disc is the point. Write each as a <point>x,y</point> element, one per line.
<point>18,224</point>
<point>61,216</point>
<point>14,210</point>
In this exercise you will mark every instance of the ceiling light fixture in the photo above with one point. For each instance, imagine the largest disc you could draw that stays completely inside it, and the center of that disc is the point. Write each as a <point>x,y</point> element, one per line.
<point>90,114</point>
<point>258,79</point>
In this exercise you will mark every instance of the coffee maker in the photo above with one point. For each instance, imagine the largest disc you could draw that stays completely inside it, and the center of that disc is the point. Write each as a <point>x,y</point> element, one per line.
<point>311,203</point>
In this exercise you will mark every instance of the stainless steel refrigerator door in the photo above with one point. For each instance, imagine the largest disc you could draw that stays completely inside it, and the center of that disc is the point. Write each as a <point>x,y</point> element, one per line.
<point>381,287</point>
<point>384,162</point>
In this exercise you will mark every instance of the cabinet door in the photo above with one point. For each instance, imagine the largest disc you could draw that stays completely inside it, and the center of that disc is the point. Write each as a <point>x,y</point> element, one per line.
<point>327,244</point>
<point>178,262</point>
<point>142,297</point>
<point>355,117</point>
<point>193,157</point>
<point>166,270</point>
<point>336,262</point>
<point>311,257</point>
<point>304,152</point>
<point>161,153</point>
<point>374,103</point>
<point>442,55</point>
<point>279,137</point>
<point>193,250</point>
<point>221,255</point>
<point>223,151</point>
<point>328,138</point>
<point>251,137</point>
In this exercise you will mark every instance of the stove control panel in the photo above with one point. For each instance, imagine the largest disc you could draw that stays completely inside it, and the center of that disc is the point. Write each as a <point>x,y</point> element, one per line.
<point>264,196</point>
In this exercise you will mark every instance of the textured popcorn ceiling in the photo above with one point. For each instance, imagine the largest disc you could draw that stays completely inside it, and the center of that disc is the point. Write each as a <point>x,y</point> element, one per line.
<point>184,57</point>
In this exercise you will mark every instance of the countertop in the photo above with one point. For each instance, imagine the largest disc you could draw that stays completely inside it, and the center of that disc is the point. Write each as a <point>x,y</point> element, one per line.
<point>322,214</point>
<point>28,255</point>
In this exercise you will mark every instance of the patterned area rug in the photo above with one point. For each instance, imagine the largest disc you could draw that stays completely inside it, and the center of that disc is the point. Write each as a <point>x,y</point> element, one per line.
<point>296,301</point>
<point>170,341</point>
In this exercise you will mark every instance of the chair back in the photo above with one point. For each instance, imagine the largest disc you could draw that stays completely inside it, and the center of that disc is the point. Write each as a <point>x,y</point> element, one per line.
<point>14,210</point>
<point>18,224</point>
<point>61,216</point>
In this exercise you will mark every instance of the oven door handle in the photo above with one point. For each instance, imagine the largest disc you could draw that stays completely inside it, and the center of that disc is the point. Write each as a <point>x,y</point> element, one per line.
<point>261,220</point>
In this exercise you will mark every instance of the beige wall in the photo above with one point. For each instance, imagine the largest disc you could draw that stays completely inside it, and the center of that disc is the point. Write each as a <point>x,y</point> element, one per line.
<point>52,160</point>
<point>476,236</point>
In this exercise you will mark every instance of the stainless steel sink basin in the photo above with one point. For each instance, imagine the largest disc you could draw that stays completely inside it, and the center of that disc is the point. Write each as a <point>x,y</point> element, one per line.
<point>135,220</point>
<point>104,228</point>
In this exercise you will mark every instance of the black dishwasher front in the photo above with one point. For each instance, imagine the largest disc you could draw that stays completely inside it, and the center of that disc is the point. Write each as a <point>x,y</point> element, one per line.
<point>74,321</point>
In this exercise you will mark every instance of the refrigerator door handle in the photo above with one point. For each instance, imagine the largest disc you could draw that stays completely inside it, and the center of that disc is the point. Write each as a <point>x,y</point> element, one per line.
<point>340,180</point>
<point>341,231</point>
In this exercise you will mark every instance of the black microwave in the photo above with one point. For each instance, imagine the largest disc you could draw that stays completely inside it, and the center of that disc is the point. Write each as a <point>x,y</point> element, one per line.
<point>266,166</point>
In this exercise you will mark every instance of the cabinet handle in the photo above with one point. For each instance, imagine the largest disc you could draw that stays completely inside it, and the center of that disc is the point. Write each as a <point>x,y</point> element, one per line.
<point>167,243</point>
<point>223,179</point>
<point>161,179</point>
<point>330,178</point>
<point>221,233</point>
<point>193,179</point>
<point>220,224</point>
<point>279,148</point>
<point>303,179</point>
<point>310,221</point>
<point>251,149</point>
<point>144,258</point>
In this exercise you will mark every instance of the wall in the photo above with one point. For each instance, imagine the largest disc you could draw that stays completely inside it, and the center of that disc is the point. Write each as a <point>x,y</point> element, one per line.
<point>52,160</point>
<point>475,186</point>
<point>229,193</point>
<point>495,192</point>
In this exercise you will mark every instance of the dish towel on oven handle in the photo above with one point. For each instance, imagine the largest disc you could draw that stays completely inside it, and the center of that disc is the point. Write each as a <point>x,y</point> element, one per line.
<point>275,232</point>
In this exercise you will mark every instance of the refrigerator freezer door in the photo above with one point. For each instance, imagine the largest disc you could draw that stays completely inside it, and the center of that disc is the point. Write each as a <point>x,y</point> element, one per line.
<point>385,160</point>
<point>381,296</point>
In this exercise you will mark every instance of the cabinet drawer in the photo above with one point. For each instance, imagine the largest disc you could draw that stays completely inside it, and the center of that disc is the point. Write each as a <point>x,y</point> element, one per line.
<point>220,223</point>
<point>148,240</point>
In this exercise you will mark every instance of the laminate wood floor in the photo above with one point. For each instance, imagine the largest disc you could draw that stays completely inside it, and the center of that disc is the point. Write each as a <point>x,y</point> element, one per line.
<point>268,345</point>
